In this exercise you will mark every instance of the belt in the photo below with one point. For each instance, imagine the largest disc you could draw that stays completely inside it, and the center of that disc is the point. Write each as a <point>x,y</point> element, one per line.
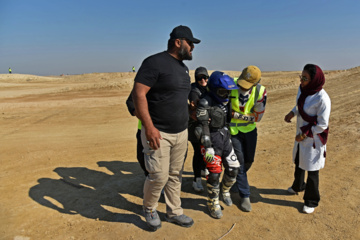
<point>219,129</point>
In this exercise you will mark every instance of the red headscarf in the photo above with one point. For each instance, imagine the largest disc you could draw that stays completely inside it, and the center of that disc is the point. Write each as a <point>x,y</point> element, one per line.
<point>314,86</point>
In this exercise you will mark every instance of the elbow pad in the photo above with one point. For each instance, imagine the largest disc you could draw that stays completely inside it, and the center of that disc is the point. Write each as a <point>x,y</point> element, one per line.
<point>198,132</point>
<point>202,113</point>
<point>205,140</point>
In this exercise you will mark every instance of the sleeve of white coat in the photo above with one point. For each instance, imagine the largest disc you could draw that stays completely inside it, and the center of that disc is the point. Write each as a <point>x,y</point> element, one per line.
<point>295,110</point>
<point>323,115</point>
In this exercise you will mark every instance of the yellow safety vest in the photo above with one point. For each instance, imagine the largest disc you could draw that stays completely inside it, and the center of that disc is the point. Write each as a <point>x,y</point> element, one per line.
<point>237,125</point>
<point>139,125</point>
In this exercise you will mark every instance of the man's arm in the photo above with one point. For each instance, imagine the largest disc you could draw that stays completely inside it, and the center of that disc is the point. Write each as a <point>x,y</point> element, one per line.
<point>142,112</point>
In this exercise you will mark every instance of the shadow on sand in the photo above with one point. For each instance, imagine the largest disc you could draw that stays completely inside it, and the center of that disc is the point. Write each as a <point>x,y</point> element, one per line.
<point>261,195</point>
<point>94,194</point>
<point>99,195</point>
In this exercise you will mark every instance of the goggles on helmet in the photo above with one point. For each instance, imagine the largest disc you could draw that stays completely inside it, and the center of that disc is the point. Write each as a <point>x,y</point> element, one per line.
<point>223,93</point>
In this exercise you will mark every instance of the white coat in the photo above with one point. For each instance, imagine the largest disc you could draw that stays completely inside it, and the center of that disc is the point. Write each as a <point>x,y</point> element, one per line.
<point>319,104</point>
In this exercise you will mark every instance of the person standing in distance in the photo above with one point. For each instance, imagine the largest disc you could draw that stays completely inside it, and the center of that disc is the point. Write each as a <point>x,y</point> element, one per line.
<point>160,94</point>
<point>248,107</point>
<point>9,70</point>
<point>198,90</point>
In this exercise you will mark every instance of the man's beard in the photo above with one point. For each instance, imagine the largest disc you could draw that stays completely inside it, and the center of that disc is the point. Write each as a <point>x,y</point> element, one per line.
<point>184,54</point>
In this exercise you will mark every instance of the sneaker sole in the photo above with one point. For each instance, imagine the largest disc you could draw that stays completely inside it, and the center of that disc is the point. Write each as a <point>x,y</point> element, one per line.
<point>292,192</point>
<point>245,210</point>
<point>187,225</point>
<point>153,228</point>
<point>216,216</point>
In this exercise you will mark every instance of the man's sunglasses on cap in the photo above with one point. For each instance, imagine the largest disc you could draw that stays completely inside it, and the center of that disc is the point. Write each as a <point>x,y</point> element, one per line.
<point>188,41</point>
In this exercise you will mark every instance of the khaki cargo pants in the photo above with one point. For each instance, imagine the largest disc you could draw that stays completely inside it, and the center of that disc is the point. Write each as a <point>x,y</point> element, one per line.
<point>165,166</point>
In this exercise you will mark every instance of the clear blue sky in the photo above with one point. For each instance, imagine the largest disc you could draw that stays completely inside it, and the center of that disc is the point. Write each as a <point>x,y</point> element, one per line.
<point>52,37</point>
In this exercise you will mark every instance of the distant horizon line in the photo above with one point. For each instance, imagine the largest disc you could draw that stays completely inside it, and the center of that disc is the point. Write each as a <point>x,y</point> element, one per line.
<point>68,74</point>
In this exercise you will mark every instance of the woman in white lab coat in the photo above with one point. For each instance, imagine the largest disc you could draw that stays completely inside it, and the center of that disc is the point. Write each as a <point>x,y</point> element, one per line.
<point>312,113</point>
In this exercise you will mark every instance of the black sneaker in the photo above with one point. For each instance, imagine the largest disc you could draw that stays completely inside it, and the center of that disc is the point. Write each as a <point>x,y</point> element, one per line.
<point>181,220</point>
<point>152,219</point>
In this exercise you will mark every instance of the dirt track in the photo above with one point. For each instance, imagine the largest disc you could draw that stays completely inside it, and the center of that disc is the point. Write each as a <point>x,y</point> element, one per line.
<point>69,168</point>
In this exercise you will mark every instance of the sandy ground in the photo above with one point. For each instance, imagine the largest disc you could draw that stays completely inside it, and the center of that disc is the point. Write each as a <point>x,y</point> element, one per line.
<point>69,168</point>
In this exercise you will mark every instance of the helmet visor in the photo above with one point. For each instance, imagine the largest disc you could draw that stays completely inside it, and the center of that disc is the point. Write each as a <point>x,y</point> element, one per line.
<point>223,93</point>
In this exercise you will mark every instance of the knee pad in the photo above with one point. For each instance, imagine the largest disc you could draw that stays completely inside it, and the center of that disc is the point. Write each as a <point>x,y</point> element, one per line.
<point>213,178</point>
<point>232,160</point>
<point>232,172</point>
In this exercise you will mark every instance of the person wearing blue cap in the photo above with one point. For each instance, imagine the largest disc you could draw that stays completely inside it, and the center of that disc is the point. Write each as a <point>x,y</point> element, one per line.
<point>160,95</point>
<point>213,114</point>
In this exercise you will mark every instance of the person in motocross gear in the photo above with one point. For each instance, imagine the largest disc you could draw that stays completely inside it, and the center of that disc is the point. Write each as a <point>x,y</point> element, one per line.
<point>213,114</point>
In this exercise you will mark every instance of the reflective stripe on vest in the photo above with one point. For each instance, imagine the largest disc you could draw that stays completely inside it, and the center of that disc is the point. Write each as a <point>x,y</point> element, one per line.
<point>237,125</point>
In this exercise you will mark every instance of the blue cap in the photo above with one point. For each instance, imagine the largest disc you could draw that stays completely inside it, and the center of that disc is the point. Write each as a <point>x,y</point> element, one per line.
<point>221,80</point>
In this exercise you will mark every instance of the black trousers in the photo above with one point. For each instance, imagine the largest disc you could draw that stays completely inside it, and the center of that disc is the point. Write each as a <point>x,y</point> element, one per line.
<point>245,147</point>
<point>139,152</point>
<point>198,162</point>
<point>311,187</point>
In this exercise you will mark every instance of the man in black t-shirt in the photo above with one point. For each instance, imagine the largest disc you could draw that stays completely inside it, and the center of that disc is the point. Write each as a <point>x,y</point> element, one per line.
<point>160,94</point>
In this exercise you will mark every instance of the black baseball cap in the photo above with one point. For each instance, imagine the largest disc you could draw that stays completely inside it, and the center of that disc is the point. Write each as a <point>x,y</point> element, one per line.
<point>201,71</point>
<point>183,32</point>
